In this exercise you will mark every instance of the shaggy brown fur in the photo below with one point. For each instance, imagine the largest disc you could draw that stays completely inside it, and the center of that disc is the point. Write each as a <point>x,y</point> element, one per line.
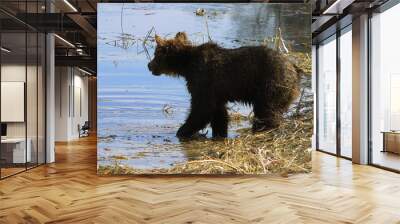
<point>255,76</point>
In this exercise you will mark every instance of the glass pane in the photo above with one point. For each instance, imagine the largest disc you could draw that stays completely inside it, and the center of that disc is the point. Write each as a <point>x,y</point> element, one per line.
<point>31,98</point>
<point>386,89</point>
<point>327,96</point>
<point>346,94</point>
<point>13,87</point>
<point>23,90</point>
<point>32,90</point>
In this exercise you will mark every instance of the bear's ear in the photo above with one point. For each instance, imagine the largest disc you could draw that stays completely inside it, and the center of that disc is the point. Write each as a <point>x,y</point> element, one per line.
<point>159,40</point>
<point>182,38</point>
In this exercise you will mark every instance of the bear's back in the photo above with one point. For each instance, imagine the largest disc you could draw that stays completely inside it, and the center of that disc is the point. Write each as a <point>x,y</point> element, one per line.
<point>241,72</point>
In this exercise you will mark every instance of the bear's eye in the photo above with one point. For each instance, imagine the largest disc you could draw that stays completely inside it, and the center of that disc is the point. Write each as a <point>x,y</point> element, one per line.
<point>159,51</point>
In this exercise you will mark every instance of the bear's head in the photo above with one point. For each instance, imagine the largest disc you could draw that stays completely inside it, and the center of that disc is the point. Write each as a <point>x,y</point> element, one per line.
<point>169,55</point>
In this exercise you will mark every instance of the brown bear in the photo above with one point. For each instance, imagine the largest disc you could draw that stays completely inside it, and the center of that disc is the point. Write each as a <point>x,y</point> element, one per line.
<point>252,75</point>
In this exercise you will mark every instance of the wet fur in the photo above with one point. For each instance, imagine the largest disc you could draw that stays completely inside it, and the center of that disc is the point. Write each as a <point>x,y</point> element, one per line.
<point>252,75</point>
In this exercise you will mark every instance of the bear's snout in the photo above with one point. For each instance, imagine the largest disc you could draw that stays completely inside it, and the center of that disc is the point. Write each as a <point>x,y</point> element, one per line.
<point>151,68</point>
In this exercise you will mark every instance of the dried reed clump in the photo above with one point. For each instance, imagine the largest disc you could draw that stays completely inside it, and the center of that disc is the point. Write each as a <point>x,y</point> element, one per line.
<point>118,169</point>
<point>302,60</point>
<point>283,150</point>
<point>236,117</point>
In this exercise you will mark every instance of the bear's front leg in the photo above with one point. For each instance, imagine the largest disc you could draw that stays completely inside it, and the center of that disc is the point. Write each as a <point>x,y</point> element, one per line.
<point>199,117</point>
<point>219,122</point>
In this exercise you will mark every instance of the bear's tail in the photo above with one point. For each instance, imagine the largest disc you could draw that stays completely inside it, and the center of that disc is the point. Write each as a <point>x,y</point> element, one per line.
<point>300,72</point>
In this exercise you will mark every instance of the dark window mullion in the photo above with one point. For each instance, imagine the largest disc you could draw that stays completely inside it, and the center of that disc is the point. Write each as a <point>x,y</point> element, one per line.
<point>369,90</point>
<point>316,96</point>
<point>45,89</point>
<point>37,90</point>
<point>26,86</point>
<point>338,80</point>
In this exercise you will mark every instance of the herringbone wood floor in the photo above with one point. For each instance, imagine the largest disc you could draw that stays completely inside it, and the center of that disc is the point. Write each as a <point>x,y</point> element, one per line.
<point>70,192</point>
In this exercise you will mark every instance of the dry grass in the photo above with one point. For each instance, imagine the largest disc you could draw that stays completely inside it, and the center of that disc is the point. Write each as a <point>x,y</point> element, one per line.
<point>302,60</point>
<point>283,150</point>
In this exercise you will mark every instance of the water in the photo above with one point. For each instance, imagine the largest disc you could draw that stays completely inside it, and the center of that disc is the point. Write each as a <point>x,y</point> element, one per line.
<point>133,126</point>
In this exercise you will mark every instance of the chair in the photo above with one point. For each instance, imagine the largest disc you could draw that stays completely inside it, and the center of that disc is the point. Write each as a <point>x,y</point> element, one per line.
<point>84,130</point>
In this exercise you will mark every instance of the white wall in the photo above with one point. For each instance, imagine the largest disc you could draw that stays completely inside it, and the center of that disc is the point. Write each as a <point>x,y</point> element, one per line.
<point>71,102</point>
<point>17,73</point>
<point>33,126</point>
<point>80,110</point>
<point>62,82</point>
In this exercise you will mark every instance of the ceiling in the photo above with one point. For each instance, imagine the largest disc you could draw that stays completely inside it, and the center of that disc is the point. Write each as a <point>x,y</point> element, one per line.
<point>75,23</point>
<point>332,15</point>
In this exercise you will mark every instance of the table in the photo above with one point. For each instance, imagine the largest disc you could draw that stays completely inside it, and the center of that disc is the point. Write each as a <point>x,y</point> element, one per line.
<point>391,141</point>
<point>13,150</point>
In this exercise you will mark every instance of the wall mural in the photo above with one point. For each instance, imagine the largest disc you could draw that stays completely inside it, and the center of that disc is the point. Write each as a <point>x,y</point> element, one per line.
<point>204,88</point>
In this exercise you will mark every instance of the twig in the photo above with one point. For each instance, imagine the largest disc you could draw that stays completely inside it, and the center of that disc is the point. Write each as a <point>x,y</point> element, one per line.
<point>217,161</point>
<point>261,158</point>
<point>300,101</point>
<point>144,43</point>
<point>122,15</point>
<point>208,32</point>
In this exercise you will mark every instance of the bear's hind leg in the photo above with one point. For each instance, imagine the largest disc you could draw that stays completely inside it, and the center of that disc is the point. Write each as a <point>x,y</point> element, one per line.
<point>265,118</point>
<point>219,122</point>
